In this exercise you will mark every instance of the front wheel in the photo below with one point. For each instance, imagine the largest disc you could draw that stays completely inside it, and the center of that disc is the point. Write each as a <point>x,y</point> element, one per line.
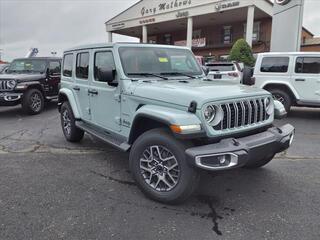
<point>158,165</point>
<point>33,102</point>
<point>68,123</point>
<point>283,97</point>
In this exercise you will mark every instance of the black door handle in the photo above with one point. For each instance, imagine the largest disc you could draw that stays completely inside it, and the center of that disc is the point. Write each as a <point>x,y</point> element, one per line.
<point>300,80</point>
<point>76,88</point>
<point>93,91</point>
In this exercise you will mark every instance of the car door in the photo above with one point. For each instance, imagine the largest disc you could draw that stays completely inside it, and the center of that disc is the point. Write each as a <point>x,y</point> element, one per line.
<point>54,76</point>
<point>105,97</point>
<point>306,78</point>
<point>78,85</point>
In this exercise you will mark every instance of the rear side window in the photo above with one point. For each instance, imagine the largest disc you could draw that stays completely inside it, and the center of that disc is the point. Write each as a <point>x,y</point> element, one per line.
<point>82,67</point>
<point>308,65</point>
<point>67,65</point>
<point>102,60</point>
<point>275,64</point>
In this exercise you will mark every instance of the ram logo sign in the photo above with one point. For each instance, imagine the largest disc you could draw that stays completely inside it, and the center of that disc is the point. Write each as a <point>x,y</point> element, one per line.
<point>282,2</point>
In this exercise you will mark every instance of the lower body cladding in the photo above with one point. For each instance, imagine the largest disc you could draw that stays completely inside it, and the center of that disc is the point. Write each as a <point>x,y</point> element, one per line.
<point>10,99</point>
<point>233,153</point>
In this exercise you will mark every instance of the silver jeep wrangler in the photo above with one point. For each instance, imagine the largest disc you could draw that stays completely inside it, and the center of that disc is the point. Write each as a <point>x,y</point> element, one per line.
<point>156,102</point>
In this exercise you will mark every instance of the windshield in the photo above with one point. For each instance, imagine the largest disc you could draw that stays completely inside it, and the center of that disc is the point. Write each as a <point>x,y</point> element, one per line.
<point>152,61</point>
<point>28,65</point>
<point>221,67</point>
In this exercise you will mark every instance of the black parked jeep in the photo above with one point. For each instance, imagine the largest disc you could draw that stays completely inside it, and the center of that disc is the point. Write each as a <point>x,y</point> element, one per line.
<point>30,82</point>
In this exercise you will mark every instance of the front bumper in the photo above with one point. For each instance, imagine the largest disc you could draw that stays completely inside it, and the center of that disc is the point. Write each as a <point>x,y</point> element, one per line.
<point>10,99</point>
<point>233,153</point>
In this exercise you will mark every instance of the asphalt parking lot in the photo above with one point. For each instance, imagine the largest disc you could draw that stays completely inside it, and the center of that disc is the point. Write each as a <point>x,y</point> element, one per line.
<point>51,189</point>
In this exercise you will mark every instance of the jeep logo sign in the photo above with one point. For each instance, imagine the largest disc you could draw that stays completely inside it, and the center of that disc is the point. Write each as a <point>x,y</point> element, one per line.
<point>282,2</point>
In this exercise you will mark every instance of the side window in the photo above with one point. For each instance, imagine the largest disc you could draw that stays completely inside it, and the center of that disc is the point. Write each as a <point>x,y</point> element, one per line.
<point>54,68</point>
<point>102,60</point>
<point>67,65</point>
<point>275,64</point>
<point>308,65</point>
<point>82,67</point>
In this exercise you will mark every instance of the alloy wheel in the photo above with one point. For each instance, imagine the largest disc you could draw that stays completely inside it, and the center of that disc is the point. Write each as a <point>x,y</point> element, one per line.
<point>36,102</point>
<point>66,122</point>
<point>159,168</point>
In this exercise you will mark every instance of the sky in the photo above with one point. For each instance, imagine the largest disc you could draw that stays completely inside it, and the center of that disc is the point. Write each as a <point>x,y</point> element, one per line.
<point>55,25</point>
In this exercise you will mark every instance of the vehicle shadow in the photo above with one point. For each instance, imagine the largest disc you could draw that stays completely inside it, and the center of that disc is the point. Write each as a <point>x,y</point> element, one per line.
<point>16,111</point>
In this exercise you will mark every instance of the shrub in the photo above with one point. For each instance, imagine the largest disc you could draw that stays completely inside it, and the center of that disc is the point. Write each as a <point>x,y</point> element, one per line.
<point>242,52</point>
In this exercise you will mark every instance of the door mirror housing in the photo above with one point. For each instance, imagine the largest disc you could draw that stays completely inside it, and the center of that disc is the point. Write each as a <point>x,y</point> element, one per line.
<point>106,75</point>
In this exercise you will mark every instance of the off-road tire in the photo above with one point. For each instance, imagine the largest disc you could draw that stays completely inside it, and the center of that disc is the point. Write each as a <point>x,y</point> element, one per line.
<point>72,133</point>
<point>33,102</point>
<point>283,97</point>
<point>259,164</point>
<point>188,176</point>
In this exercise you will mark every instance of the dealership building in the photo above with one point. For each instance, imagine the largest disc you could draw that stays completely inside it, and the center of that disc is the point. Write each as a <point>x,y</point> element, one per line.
<point>209,27</point>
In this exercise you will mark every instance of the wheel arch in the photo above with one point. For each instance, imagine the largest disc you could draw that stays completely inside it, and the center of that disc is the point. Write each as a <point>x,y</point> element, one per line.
<point>283,87</point>
<point>66,95</point>
<point>148,117</point>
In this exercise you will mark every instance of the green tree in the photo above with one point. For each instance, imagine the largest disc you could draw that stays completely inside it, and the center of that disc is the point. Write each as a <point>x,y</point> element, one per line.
<point>242,52</point>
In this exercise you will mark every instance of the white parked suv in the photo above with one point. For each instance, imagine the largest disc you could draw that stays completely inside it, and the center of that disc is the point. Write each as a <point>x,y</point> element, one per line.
<point>292,78</point>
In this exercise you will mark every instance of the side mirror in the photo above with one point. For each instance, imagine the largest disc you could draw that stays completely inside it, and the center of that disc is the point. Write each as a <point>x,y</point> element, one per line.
<point>247,78</point>
<point>106,75</point>
<point>205,70</point>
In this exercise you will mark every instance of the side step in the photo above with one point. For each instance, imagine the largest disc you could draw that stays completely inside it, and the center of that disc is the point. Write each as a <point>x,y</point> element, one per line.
<point>102,135</point>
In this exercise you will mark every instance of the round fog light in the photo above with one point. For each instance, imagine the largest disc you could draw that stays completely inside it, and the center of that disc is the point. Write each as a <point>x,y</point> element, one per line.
<point>222,159</point>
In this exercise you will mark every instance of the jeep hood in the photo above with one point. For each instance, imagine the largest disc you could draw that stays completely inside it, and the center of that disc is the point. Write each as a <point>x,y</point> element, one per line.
<point>183,92</point>
<point>22,77</point>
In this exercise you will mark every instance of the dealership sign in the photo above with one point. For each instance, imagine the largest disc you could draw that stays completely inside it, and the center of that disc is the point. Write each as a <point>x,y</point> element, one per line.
<point>163,7</point>
<point>222,6</point>
<point>199,42</point>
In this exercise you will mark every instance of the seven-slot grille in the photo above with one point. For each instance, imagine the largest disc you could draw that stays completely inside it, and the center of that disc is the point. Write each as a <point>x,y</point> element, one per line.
<point>242,113</point>
<point>3,85</point>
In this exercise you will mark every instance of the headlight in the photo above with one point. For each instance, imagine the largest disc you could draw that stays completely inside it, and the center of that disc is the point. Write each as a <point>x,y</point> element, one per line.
<point>11,84</point>
<point>269,106</point>
<point>213,114</point>
<point>209,113</point>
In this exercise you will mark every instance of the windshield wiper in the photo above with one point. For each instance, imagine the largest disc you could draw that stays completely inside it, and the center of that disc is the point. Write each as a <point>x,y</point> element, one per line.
<point>178,73</point>
<point>147,74</point>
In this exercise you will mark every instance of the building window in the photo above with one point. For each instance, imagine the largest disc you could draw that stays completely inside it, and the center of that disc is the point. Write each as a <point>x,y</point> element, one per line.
<point>227,34</point>
<point>275,64</point>
<point>168,39</point>
<point>82,68</point>
<point>196,34</point>
<point>308,65</point>
<point>256,31</point>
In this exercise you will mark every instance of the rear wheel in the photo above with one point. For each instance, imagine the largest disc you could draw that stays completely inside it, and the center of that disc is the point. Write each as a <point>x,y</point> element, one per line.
<point>68,123</point>
<point>33,102</point>
<point>158,164</point>
<point>283,97</point>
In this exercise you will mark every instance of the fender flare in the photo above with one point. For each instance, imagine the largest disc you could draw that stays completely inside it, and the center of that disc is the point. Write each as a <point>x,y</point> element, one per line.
<point>68,94</point>
<point>287,85</point>
<point>164,115</point>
